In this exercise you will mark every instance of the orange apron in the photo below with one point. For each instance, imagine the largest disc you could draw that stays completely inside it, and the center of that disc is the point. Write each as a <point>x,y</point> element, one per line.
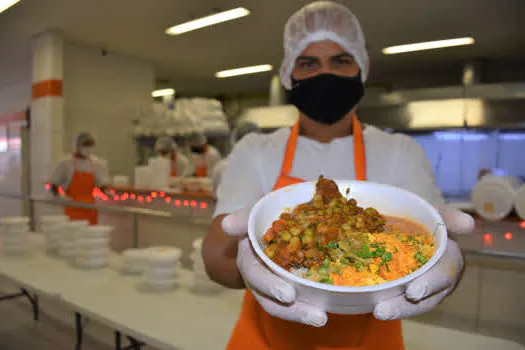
<point>258,330</point>
<point>81,190</point>
<point>174,165</point>
<point>202,169</point>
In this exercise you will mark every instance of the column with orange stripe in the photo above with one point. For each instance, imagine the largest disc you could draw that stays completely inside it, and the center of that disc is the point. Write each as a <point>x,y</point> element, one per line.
<point>47,108</point>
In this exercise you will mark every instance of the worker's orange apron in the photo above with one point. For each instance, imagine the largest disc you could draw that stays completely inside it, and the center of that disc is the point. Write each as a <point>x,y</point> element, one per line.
<point>202,169</point>
<point>258,330</point>
<point>174,165</point>
<point>81,190</point>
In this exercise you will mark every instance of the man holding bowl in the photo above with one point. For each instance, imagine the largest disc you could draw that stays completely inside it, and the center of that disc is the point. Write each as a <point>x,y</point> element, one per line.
<point>325,66</point>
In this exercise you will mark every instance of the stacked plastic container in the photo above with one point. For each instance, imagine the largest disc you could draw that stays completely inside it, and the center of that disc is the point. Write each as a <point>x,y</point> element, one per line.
<point>494,197</point>
<point>201,282</point>
<point>92,244</point>
<point>134,261</point>
<point>162,268</point>
<point>14,235</point>
<point>52,227</point>
<point>67,245</point>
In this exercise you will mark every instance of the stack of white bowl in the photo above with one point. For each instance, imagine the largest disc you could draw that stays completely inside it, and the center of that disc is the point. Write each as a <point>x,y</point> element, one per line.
<point>162,268</point>
<point>201,281</point>
<point>52,227</point>
<point>14,234</point>
<point>134,261</point>
<point>67,246</point>
<point>93,247</point>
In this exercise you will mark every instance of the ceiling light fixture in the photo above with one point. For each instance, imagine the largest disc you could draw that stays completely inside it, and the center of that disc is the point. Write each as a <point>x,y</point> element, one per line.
<point>208,21</point>
<point>163,92</point>
<point>5,4</point>
<point>428,45</point>
<point>242,71</point>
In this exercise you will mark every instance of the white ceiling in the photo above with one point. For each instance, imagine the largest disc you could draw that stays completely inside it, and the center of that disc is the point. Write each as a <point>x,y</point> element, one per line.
<point>189,61</point>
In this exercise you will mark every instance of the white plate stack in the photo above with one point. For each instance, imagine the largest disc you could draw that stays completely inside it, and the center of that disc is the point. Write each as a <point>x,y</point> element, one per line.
<point>52,227</point>
<point>14,235</point>
<point>162,267</point>
<point>134,261</point>
<point>93,247</point>
<point>201,281</point>
<point>67,246</point>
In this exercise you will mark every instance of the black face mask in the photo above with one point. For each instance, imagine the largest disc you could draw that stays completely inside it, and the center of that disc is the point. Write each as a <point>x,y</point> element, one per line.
<point>327,98</point>
<point>198,149</point>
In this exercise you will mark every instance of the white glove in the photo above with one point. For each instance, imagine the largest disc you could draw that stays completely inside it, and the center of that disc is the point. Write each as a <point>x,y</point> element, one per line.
<point>277,297</point>
<point>424,293</point>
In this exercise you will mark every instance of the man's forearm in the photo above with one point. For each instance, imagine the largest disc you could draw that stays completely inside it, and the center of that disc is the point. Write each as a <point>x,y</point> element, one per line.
<point>220,257</point>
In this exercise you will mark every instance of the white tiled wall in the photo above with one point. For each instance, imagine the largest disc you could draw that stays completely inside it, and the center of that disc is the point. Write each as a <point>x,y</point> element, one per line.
<point>102,95</point>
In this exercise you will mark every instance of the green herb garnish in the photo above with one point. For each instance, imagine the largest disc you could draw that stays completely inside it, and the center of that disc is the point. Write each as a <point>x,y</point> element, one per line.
<point>332,245</point>
<point>326,280</point>
<point>421,258</point>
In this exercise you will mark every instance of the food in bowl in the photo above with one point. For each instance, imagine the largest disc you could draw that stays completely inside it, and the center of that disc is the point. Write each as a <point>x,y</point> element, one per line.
<point>332,240</point>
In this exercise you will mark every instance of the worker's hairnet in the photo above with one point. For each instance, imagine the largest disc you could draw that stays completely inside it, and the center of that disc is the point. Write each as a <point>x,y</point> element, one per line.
<point>165,143</point>
<point>242,130</point>
<point>82,137</point>
<point>197,139</point>
<point>319,21</point>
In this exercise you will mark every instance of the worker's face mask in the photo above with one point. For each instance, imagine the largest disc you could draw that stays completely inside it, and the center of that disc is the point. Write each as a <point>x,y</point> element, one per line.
<point>86,151</point>
<point>327,98</point>
<point>165,154</point>
<point>198,149</point>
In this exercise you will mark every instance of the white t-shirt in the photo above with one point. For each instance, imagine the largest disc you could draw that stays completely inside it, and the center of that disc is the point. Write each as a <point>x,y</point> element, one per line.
<point>217,174</point>
<point>256,161</point>
<point>63,172</point>
<point>185,167</point>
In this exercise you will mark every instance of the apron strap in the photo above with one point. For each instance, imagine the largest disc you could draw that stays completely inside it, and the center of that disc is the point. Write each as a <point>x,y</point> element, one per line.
<point>359,150</point>
<point>289,153</point>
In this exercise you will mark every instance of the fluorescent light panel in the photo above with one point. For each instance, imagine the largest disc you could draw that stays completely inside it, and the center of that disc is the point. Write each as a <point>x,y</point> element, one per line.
<point>208,21</point>
<point>428,45</point>
<point>5,4</point>
<point>163,92</point>
<point>242,71</point>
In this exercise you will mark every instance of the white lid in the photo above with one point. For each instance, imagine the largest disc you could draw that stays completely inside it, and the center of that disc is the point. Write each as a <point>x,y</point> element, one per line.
<point>197,244</point>
<point>79,223</point>
<point>164,254</point>
<point>51,219</point>
<point>493,197</point>
<point>520,202</point>
<point>134,253</point>
<point>98,230</point>
<point>14,220</point>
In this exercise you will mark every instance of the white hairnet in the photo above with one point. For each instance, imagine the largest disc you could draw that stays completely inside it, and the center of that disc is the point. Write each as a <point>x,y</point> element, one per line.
<point>242,130</point>
<point>82,137</point>
<point>197,139</point>
<point>165,143</point>
<point>319,21</point>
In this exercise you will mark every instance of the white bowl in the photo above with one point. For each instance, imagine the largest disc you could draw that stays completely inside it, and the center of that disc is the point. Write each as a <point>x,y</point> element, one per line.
<point>91,263</point>
<point>158,274</point>
<point>161,286</point>
<point>388,200</point>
